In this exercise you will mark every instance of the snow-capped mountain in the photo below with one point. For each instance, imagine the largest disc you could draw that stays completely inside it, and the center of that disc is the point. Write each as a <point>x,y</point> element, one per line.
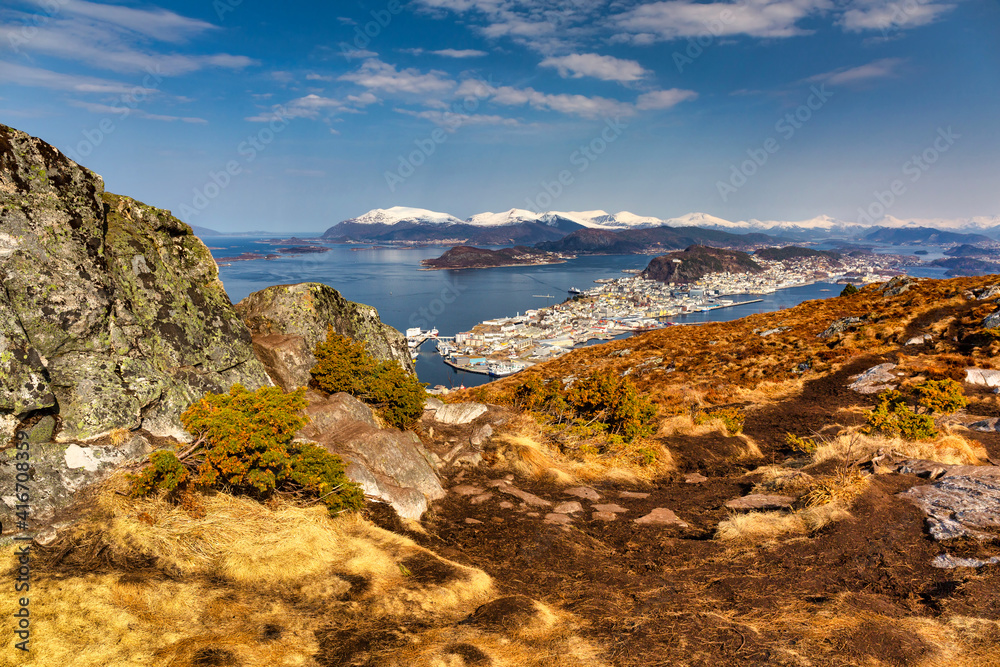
<point>403,217</point>
<point>400,214</point>
<point>514,216</point>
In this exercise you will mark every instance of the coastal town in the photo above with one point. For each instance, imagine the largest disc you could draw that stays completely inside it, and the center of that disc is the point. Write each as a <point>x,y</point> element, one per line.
<point>629,304</point>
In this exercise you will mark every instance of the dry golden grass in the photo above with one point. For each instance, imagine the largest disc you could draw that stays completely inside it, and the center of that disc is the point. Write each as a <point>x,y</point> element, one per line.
<point>755,528</point>
<point>259,584</point>
<point>846,630</point>
<point>854,446</point>
<point>529,458</point>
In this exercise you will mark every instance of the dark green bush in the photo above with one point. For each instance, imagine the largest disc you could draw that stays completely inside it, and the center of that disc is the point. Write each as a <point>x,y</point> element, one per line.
<point>344,365</point>
<point>941,396</point>
<point>891,416</point>
<point>848,290</point>
<point>244,445</point>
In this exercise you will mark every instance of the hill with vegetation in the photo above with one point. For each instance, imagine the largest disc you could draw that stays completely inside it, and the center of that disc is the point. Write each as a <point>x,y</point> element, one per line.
<point>468,257</point>
<point>968,250</point>
<point>911,235</point>
<point>795,252</point>
<point>696,262</point>
<point>967,266</point>
<point>649,241</point>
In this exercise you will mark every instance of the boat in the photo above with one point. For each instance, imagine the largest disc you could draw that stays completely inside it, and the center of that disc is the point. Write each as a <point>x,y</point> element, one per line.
<point>499,370</point>
<point>574,290</point>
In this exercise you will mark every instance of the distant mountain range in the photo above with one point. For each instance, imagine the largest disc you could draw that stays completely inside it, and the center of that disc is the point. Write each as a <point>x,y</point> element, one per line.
<point>527,227</point>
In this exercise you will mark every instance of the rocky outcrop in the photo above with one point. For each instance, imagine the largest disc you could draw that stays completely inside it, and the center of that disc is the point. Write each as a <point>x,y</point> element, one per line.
<point>288,321</point>
<point>111,313</point>
<point>389,464</point>
<point>963,502</point>
<point>874,380</point>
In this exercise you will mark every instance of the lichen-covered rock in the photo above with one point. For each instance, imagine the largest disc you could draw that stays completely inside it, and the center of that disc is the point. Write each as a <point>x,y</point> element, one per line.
<point>112,311</point>
<point>302,313</point>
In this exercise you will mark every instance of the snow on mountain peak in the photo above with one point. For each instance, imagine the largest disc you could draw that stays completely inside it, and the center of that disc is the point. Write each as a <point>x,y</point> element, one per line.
<point>512,217</point>
<point>398,214</point>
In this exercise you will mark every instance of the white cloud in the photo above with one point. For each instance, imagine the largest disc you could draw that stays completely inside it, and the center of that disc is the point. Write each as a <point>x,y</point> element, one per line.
<point>110,47</point>
<point>455,120</point>
<point>575,105</point>
<point>664,99</point>
<point>605,68</point>
<point>110,110</point>
<point>460,53</point>
<point>377,75</point>
<point>314,107</point>
<point>880,69</point>
<point>886,15</point>
<point>35,77</point>
<point>159,24</point>
<point>678,19</point>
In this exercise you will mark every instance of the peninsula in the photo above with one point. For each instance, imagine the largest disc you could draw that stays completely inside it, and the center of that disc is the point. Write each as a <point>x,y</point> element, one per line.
<point>469,257</point>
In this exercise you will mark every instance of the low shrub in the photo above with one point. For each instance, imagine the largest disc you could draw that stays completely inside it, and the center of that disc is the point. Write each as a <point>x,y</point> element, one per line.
<point>941,396</point>
<point>801,444</point>
<point>732,418</point>
<point>848,290</point>
<point>345,365</point>
<point>606,403</point>
<point>244,445</point>
<point>891,416</point>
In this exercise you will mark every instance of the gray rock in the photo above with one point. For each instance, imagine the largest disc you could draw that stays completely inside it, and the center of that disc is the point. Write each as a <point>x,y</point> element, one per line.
<point>557,519</point>
<point>965,502</point>
<point>604,516</point>
<point>466,490</point>
<point>528,498</point>
<point>874,380</point>
<point>840,326</point>
<point>8,426</point>
<point>460,413</point>
<point>991,425</point>
<point>633,494</point>
<point>584,492</point>
<point>389,464</point>
<point>481,435</point>
<point>694,478</point>
<point>981,376</point>
<point>433,404</point>
<point>991,292</point>
<point>60,472</point>
<point>661,516</point>
<point>470,460</point>
<point>949,562</point>
<point>303,313</point>
<point>43,430</point>
<point>474,522</point>
<point>992,321</point>
<point>609,507</point>
<point>760,502</point>
<point>920,340</point>
<point>897,285</point>
<point>568,507</point>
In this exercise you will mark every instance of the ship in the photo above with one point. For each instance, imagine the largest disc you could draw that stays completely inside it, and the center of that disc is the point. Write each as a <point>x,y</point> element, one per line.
<point>499,370</point>
<point>574,290</point>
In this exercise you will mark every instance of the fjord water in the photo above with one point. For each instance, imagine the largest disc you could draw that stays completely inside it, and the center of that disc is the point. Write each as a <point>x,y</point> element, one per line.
<point>391,280</point>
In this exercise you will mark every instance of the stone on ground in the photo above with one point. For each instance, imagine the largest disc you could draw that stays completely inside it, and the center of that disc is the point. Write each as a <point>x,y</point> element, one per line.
<point>661,516</point>
<point>584,492</point>
<point>760,502</point>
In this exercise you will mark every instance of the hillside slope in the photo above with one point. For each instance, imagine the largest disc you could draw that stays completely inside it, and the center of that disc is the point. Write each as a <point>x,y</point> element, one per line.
<point>696,262</point>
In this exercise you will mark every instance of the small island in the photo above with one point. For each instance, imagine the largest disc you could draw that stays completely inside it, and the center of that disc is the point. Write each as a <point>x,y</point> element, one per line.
<point>469,257</point>
<point>694,263</point>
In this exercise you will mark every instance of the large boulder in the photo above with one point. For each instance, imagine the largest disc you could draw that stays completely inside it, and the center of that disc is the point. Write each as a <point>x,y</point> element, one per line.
<point>112,314</point>
<point>288,321</point>
<point>389,464</point>
<point>963,502</point>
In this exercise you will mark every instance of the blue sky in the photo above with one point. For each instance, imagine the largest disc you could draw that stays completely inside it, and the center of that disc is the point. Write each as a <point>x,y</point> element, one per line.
<point>242,115</point>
